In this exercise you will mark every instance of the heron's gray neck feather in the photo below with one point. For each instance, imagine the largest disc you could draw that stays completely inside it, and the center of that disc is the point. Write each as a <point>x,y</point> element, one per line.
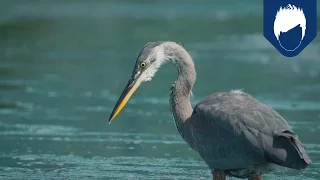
<point>181,90</point>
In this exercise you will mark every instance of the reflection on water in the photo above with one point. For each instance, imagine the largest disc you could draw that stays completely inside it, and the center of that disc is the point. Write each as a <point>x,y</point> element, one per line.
<point>63,65</point>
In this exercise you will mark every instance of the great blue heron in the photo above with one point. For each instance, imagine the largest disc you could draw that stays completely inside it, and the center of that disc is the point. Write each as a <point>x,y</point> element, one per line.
<point>235,134</point>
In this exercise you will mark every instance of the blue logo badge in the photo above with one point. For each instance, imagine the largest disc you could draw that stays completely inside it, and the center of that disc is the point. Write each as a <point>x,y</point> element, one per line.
<point>290,25</point>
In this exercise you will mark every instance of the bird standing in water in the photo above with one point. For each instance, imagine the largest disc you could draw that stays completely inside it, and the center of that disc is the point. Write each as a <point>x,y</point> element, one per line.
<point>235,134</point>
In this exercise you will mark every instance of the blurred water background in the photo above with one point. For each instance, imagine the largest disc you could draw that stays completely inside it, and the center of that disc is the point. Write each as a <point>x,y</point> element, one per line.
<point>64,63</point>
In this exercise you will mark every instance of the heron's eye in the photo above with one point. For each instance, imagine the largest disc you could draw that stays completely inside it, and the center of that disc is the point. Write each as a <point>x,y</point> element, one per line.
<point>143,64</point>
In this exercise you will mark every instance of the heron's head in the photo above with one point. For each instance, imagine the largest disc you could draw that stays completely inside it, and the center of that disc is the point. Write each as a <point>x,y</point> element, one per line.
<point>151,57</point>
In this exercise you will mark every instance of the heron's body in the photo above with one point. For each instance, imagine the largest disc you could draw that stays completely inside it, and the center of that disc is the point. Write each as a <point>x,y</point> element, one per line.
<point>234,133</point>
<point>247,137</point>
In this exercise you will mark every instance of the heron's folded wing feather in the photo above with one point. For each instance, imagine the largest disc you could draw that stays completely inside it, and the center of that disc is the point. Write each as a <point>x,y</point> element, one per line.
<point>241,114</point>
<point>251,122</point>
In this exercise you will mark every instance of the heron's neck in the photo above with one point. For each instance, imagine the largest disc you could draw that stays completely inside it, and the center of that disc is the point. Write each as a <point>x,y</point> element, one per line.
<point>181,90</point>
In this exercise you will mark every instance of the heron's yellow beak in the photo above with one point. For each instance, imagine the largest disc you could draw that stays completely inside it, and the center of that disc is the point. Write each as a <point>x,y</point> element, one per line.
<point>131,87</point>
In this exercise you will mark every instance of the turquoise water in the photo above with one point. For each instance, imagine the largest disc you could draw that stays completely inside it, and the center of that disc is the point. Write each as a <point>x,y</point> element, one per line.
<point>63,65</point>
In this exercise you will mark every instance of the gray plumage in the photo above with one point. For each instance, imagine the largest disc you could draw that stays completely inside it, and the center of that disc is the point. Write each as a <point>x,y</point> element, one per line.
<point>246,136</point>
<point>232,131</point>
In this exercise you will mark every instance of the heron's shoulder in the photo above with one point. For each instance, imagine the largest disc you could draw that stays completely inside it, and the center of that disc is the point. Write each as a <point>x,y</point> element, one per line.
<point>232,98</point>
<point>239,107</point>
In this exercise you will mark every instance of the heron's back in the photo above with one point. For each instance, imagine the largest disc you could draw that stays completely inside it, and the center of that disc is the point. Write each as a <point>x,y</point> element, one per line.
<point>232,130</point>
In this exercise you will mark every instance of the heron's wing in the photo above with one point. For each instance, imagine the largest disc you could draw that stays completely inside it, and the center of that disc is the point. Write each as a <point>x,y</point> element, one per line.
<point>250,126</point>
